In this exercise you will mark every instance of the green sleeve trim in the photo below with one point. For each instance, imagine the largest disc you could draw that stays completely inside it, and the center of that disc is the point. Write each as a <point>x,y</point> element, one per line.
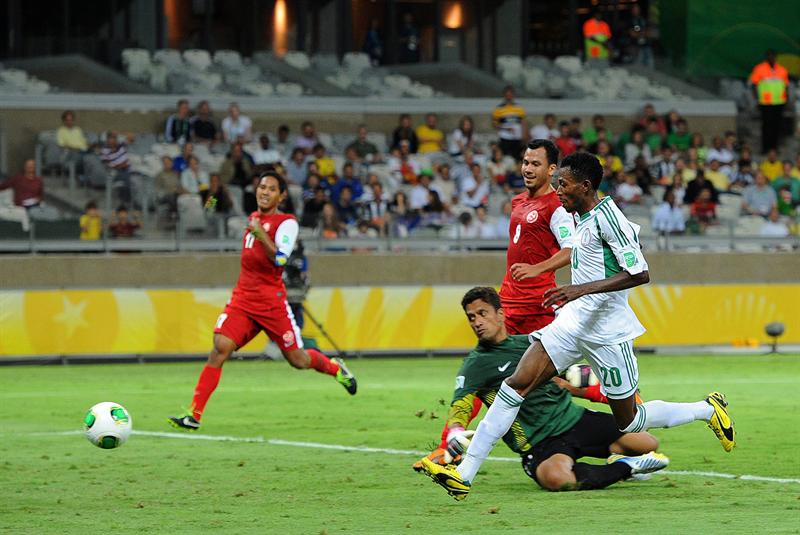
<point>614,223</point>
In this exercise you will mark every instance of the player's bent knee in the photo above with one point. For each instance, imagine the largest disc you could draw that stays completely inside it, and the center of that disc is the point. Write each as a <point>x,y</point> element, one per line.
<point>555,474</point>
<point>556,480</point>
<point>223,349</point>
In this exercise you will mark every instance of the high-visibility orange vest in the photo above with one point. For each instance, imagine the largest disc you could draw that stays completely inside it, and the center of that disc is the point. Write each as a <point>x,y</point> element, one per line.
<point>596,34</point>
<point>770,82</point>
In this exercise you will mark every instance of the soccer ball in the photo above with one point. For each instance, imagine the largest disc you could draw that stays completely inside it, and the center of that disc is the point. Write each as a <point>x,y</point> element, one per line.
<point>581,376</point>
<point>108,425</point>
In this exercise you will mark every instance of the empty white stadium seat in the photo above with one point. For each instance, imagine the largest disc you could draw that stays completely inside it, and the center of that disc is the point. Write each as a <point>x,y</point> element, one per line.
<point>169,57</point>
<point>228,59</point>
<point>191,213</point>
<point>289,89</point>
<point>356,62</point>
<point>298,60</point>
<point>199,59</point>
<point>137,63</point>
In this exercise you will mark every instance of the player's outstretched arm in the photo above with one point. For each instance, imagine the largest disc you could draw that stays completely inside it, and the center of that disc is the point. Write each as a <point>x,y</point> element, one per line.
<point>623,280</point>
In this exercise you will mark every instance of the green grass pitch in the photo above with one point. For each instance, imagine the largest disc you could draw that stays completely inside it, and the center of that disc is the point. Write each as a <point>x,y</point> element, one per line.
<point>52,483</point>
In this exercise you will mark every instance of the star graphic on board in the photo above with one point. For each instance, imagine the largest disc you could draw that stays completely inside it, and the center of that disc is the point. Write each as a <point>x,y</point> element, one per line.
<point>71,316</point>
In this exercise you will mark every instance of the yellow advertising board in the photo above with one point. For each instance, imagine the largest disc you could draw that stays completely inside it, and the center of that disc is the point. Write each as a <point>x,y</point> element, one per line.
<point>142,321</point>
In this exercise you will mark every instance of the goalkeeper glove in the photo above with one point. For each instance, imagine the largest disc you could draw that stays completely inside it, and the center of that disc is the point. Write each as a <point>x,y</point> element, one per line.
<point>457,443</point>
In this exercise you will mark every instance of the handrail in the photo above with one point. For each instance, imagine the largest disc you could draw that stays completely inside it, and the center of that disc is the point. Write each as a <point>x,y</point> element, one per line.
<point>180,243</point>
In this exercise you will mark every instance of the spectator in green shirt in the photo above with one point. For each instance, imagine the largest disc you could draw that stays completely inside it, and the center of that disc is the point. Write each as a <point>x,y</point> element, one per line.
<point>680,139</point>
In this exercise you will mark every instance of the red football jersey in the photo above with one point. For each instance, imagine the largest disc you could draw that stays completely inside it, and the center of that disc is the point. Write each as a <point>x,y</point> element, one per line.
<point>539,228</point>
<point>260,281</point>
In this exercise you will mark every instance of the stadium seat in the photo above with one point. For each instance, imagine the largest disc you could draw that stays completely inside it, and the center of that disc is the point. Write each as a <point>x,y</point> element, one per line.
<point>260,89</point>
<point>748,226</point>
<point>198,59</point>
<point>137,63</point>
<point>289,89</point>
<point>356,62</point>
<point>509,68</point>
<point>571,64</point>
<point>325,63</point>
<point>190,212</point>
<point>14,220</point>
<point>158,77</point>
<point>16,77</point>
<point>298,60</point>
<point>95,171</point>
<point>228,59</point>
<point>169,57</point>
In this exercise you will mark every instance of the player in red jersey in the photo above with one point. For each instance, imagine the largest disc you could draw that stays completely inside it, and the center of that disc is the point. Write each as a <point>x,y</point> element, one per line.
<point>540,242</point>
<point>259,302</point>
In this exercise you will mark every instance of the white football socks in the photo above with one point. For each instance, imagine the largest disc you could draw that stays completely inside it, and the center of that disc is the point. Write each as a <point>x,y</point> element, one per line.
<point>494,425</point>
<point>659,413</point>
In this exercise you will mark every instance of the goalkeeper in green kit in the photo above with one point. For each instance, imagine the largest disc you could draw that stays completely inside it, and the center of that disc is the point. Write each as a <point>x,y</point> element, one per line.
<point>550,432</point>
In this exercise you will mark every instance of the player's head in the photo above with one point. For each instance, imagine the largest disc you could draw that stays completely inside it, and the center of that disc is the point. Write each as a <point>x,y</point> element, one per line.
<point>539,162</point>
<point>578,179</point>
<point>271,191</point>
<point>485,314</point>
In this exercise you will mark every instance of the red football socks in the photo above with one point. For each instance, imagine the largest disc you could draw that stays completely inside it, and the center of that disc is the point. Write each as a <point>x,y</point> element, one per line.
<point>206,384</point>
<point>476,408</point>
<point>321,363</point>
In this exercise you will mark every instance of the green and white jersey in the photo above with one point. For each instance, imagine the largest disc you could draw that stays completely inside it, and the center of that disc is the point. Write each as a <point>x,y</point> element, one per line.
<point>605,243</point>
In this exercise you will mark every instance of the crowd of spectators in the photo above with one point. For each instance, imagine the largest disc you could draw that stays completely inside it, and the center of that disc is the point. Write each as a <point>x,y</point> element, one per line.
<point>426,180</point>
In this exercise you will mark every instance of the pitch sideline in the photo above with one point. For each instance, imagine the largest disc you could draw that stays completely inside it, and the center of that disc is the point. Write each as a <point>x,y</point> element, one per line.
<point>390,451</point>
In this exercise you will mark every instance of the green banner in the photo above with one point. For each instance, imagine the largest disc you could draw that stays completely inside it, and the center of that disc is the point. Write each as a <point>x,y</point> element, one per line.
<point>724,38</point>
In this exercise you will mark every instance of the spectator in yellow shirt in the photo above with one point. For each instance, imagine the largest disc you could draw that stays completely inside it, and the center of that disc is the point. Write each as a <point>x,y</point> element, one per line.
<point>69,135</point>
<point>429,137</point>
<point>91,222</point>
<point>772,166</point>
<point>326,166</point>
<point>607,159</point>
<point>717,177</point>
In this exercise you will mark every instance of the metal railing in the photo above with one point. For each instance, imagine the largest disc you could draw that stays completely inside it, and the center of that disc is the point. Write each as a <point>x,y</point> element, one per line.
<point>179,241</point>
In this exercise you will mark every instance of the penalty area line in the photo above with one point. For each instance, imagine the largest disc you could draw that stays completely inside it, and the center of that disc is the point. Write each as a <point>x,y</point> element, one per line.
<point>391,451</point>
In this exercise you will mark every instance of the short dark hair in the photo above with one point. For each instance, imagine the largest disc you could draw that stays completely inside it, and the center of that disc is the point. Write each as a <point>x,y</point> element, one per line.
<point>277,176</point>
<point>484,293</point>
<point>584,166</point>
<point>549,148</point>
<point>91,205</point>
<point>67,112</point>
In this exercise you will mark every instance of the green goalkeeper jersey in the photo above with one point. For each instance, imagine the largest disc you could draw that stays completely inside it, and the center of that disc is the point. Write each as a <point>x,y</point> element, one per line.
<point>547,411</point>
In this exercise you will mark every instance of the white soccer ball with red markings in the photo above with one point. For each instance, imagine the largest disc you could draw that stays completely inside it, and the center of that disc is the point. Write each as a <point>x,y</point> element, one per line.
<point>581,376</point>
<point>108,425</point>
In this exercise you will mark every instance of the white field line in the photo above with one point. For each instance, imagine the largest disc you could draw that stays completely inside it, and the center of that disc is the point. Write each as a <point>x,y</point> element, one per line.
<point>390,451</point>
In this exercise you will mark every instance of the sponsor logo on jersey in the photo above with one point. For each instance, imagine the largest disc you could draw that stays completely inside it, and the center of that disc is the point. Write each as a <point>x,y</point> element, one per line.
<point>532,216</point>
<point>630,259</point>
<point>586,238</point>
<point>266,227</point>
<point>460,381</point>
<point>563,232</point>
<point>504,367</point>
<point>288,338</point>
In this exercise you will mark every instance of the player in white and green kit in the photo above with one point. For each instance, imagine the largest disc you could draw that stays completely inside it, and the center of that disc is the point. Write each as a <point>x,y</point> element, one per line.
<point>595,322</point>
